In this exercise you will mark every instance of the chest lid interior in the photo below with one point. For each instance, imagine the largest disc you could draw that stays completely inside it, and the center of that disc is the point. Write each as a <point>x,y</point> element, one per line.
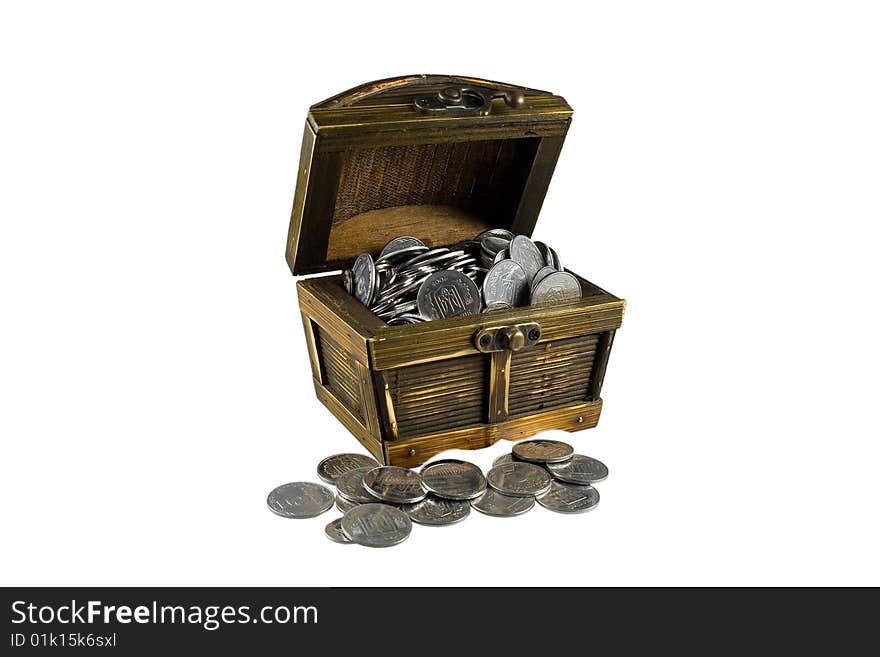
<point>438,157</point>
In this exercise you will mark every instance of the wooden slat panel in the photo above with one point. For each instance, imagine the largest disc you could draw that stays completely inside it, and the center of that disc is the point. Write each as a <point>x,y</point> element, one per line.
<point>427,399</point>
<point>603,352</point>
<point>350,422</point>
<point>551,375</point>
<point>325,301</point>
<point>341,375</point>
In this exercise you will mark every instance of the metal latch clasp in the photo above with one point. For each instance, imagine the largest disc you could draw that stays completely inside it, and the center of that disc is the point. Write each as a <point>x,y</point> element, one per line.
<point>469,100</point>
<point>501,342</point>
<point>507,338</point>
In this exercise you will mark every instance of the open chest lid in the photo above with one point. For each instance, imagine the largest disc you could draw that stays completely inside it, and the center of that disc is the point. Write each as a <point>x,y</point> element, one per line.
<point>438,157</point>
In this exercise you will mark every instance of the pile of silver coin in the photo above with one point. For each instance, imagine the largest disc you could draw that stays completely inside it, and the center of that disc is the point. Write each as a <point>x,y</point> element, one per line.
<point>380,503</point>
<point>497,270</point>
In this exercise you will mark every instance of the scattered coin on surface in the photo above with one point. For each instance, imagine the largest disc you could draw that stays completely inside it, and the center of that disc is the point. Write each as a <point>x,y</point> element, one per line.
<point>569,498</point>
<point>543,451</point>
<point>331,467</point>
<point>493,503</point>
<point>376,525</point>
<point>437,511</point>
<point>395,485</point>
<point>504,458</point>
<point>519,478</point>
<point>579,469</point>
<point>333,530</point>
<point>300,499</point>
<point>453,480</point>
<point>350,485</point>
<point>344,504</point>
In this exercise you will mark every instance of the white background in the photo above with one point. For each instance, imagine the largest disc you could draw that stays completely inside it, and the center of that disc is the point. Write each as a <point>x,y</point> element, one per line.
<point>721,174</point>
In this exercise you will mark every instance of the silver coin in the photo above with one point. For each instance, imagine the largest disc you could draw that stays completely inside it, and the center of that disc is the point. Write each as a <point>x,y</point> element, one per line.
<point>471,246</point>
<point>543,451</point>
<point>300,499</point>
<point>558,287</point>
<point>542,273</point>
<point>395,258</point>
<point>503,254</point>
<point>347,281</point>
<point>519,478</point>
<point>436,511</point>
<point>386,275</point>
<point>383,266</point>
<point>398,243</point>
<point>476,273</point>
<point>396,485</point>
<point>579,469</point>
<point>350,485</point>
<point>487,260</point>
<point>448,293</point>
<point>492,244</point>
<point>524,251</point>
<point>377,282</point>
<point>397,308</point>
<point>333,530</point>
<point>364,272</point>
<point>345,504</point>
<point>448,260</point>
<point>557,263</point>
<point>401,308</point>
<point>422,257</point>
<point>331,467</point>
<point>396,292</point>
<point>493,503</point>
<point>504,458</point>
<point>503,233</point>
<point>545,253</point>
<point>507,282</point>
<point>376,525</point>
<point>453,480</point>
<point>461,262</point>
<point>405,319</point>
<point>498,305</point>
<point>569,498</point>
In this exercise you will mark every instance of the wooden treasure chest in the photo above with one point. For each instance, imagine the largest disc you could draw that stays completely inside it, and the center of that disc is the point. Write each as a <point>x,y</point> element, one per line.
<point>440,158</point>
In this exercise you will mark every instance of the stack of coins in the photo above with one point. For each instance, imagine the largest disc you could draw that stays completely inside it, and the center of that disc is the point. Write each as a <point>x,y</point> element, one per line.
<point>497,270</point>
<point>380,503</point>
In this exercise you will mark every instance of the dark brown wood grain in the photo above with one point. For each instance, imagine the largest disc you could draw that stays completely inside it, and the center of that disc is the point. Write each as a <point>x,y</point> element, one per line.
<point>436,225</point>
